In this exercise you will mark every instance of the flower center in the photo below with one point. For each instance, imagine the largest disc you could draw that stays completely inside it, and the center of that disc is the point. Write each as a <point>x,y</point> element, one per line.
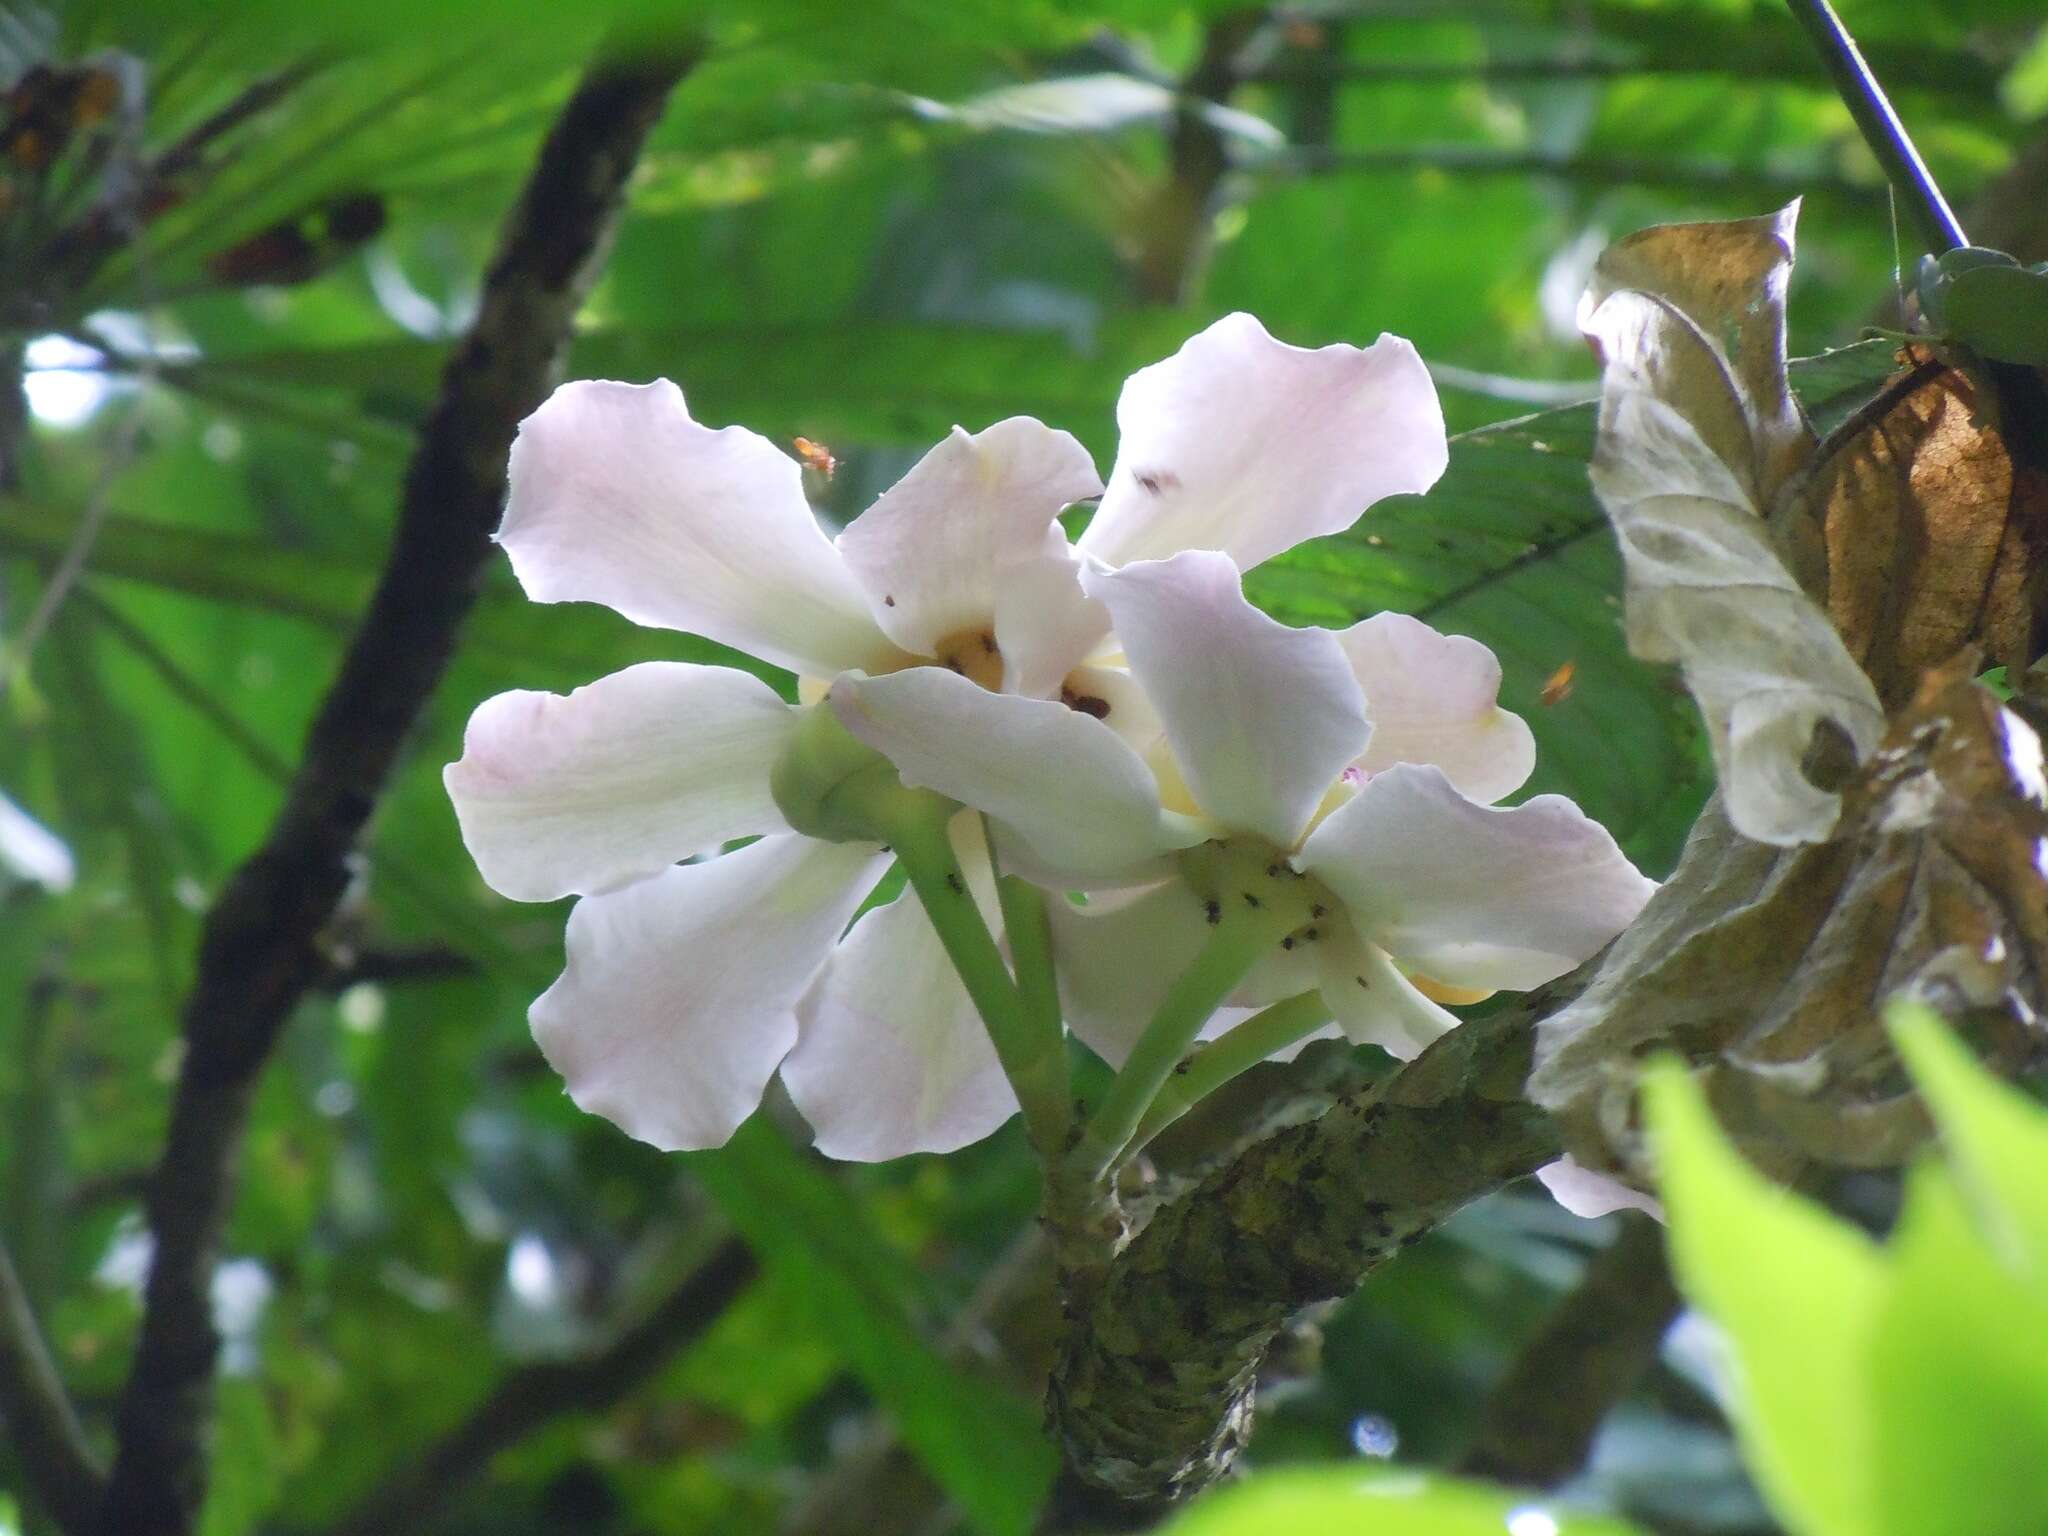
<point>973,654</point>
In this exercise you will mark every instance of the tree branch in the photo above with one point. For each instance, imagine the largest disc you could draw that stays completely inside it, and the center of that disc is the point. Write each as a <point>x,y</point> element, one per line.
<point>1178,221</point>
<point>1153,1395</point>
<point>538,1394</point>
<point>54,1456</point>
<point>259,951</point>
<point>1538,1425</point>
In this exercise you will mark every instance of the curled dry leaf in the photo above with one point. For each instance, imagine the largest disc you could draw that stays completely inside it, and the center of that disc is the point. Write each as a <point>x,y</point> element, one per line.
<point>1933,541</point>
<point>1699,437</point>
<point>1768,967</point>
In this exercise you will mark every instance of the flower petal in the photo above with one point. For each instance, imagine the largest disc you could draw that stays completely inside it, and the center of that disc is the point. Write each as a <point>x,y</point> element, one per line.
<point>1374,1003</point>
<point>573,795</point>
<point>619,498</point>
<point>1262,718</point>
<point>891,1056</point>
<point>1108,999</point>
<point>1243,444</point>
<point>1046,626</point>
<point>679,998</point>
<point>1474,895</point>
<point>1078,804</point>
<point>932,553</point>
<point>1585,1193</point>
<point>1119,955</point>
<point>1435,698</point>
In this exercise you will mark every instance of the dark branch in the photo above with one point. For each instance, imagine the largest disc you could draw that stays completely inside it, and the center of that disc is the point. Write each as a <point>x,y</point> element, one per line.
<point>1183,209</point>
<point>1538,1425</point>
<point>1880,125</point>
<point>53,1453</point>
<point>1153,1396</point>
<point>539,1394</point>
<point>260,948</point>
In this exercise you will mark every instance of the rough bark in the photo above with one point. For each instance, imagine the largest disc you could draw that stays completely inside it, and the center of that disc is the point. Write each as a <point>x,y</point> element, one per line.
<point>260,949</point>
<point>1153,1395</point>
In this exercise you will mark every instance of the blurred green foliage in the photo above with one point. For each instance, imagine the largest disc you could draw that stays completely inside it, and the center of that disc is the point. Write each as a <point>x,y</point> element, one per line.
<point>848,229</point>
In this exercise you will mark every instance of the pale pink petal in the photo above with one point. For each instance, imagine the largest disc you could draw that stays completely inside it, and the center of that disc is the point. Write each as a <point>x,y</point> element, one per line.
<point>1435,698</point>
<point>572,795</point>
<point>1073,798</point>
<point>1262,718</point>
<point>679,998</point>
<point>1243,444</point>
<point>1585,1193</point>
<point>932,554</point>
<point>1045,625</point>
<point>891,1056</point>
<point>619,498</point>
<point>1120,954</point>
<point>1374,1003</point>
<point>1474,895</point>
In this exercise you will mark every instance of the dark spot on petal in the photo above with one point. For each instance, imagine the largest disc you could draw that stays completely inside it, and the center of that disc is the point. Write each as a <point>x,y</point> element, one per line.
<point>888,601</point>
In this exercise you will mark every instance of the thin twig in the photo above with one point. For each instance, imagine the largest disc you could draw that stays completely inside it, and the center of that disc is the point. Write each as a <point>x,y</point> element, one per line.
<point>260,949</point>
<point>53,1453</point>
<point>1880,125</point>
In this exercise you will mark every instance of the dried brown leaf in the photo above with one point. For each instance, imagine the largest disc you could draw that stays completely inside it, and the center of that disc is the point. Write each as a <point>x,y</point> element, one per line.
<point>1933,543</point>
<point>1768,967</point>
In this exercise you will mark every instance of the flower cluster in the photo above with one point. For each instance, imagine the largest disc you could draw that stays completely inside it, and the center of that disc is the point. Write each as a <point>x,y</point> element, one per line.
<point>1225,813</point>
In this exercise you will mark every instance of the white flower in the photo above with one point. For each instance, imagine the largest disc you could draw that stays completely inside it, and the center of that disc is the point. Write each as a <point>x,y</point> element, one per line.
<point>689,984</point>
<point>1360,760</point>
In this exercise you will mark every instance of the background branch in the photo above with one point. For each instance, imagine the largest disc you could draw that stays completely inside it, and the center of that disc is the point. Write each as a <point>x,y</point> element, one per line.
<point>54,1456</point>
<point>535,1395</point>
<point>1537,1427</point>
<point>1178,222</point>
<point>259,951</point>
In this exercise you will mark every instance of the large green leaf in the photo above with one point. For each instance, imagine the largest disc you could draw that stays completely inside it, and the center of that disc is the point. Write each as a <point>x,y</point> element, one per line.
<point>1799,1296</point>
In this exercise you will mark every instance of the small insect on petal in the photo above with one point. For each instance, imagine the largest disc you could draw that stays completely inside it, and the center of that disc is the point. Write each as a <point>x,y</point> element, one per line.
<point>1559,687</point>
<point>815,456</point>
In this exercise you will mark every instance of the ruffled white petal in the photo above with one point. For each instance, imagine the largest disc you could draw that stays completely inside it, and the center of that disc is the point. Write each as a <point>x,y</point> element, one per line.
<point>1435,698</point>
<point>891,1056</point>
<point>573,795</point>
<point>1074,799</point>
<point>1585,1193</point>
<point>618,497</point>
<point>1243,444</point>
<point>679,998</point>
<point>1374,1003</point>
<point>1262,718</point>
<point>1120,954</point>
<point>1474,895</point>
<point>933,552</point>
<point>1117,957</point>
<point>1045,625</point>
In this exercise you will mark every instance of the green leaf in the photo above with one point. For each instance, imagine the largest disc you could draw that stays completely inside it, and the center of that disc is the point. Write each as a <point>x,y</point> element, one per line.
<point>1334,1500</point>
<point>1958,1378</point>
<point>983,1444</point>
<point>1798,1295</point>
<point>1995,1137</point>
